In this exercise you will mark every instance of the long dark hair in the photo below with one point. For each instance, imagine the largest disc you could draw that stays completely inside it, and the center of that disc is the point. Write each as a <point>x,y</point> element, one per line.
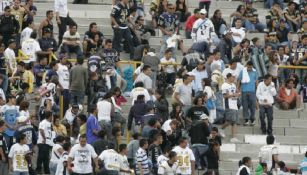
<point>244,161</point>
<point>184,5</point>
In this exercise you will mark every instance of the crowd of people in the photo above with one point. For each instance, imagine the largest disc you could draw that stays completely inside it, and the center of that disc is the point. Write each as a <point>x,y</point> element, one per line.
<point>47,127</point>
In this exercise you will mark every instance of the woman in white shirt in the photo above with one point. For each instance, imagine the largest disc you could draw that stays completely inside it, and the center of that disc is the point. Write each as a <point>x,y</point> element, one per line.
<point>245,165</point>
<point>56,154</point>
<point>238,32</point>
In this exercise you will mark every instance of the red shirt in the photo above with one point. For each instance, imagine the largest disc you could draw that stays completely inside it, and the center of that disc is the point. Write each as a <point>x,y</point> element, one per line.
<point>189,23</point>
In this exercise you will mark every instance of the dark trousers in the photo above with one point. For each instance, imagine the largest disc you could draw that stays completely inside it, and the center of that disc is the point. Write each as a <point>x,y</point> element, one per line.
<point>66,100</point>
<point>119,34</point>
<point>43,157</point>
<point>62,27</point>
<point>73,49</point>
<point>205,5</point>
<point>266,111</point>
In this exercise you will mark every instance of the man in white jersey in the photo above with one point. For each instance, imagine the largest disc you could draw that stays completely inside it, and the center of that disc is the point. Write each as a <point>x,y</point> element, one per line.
<point>186,159</point>
<point>269,153</point>
<point>203,29</point>
<point>30,47</point>
<point>170,166</point>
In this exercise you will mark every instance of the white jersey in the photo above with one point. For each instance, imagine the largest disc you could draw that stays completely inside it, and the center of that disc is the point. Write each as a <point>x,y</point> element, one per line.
<point>60,166</point>
<point>166,169</point>
<point>266,154</point>
<point>63,75</point>
<point>110,159</point>
<point>124,164</point>
<point>17,154</point>
<point>162,158</point>
<point>46,126</point>
<point>203,30</point>
<point>185,156</point>
<point>29,47</point>
<point>51,90</point>
<point>139,91</point>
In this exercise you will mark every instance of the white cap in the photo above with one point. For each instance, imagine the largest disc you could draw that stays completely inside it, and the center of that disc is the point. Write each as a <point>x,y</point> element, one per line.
<point>203,11</point>
<point>204,117</point>
<point>22,119</point>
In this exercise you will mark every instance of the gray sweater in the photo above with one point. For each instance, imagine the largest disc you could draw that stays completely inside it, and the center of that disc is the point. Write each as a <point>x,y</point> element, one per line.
<point>78,78</point>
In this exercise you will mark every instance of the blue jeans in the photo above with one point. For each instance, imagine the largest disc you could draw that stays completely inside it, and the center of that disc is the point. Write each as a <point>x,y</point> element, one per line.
<point>266,111</point>
<point>269,3</point>
<point>77,97</point>
<point>249,105</point>
<point>199,150</point>
<point>5,83</point>
<point>20,173</point>
<point>73,49</point>
<point>52,167</point>
<point>251,26</point>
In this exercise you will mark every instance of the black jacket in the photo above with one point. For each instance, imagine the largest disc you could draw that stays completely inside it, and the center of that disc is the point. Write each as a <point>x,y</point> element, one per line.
<point>199,133</point>
<point>137,111</point>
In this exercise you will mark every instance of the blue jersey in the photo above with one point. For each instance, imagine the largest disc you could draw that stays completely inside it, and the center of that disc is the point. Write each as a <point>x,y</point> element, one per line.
<point>10,114</point>
<point>168,22</point>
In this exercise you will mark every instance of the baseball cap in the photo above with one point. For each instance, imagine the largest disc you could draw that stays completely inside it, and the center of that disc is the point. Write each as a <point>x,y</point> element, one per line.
<point>204,117</point>
<point>203,11</point>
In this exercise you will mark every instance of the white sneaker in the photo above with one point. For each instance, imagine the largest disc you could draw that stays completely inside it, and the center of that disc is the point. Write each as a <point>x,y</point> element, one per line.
<point>246,123</point>
<point>234,140</point>
<point>222,132</point>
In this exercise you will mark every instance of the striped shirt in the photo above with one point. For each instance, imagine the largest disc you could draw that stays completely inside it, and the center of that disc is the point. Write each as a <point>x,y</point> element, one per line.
<point>303,166</point>
<point>141,157</point>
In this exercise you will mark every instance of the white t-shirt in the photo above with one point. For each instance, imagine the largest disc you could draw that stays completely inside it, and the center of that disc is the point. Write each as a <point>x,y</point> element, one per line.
<point>230,103</point>
<point>55,155</point>
<point>266,153</point>
<point>166,169</point>
<point>10,56</point>
<point>25,34</point>
<point>51,87</point>
<point>124,164</point>
<point>104,110</point>
<point>166,126</point>
<point>29,47</point>
<point>110,159</point>
<point>240,31</point>
<point>185,92</point>
<point>63,75</point>
<point>235,72</point>
<point>82,158</point>
<point>139,91</point>
<point>46,126</point>
<point>145,79</point>
<point>168,68</point>
<point>185,156</point>
<point>60,167</point>
<point>17,154</point>
<point>162,158</point>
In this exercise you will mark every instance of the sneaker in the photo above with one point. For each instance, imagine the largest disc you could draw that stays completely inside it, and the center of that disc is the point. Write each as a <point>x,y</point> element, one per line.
<point>252,123</point>
<point>234,140</point>
<point>222,132</point>
<point>246,123</point>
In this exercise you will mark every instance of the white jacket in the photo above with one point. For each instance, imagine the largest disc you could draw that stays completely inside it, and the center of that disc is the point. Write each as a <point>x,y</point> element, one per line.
<point>267,93</point>
<point>203,30</point>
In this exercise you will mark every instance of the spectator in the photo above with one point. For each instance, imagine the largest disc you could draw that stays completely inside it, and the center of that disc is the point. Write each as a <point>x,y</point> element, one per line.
<point>186,159</point>
<point>10,56</point>
<point>110,159</point>
<point>57,151</point>
<point>19,151</point>
<point>78,80</point>
<point>247,82</point>
<point>62,17</point>
<point>31,48</point>
<point>265,95</point>
<point>217,60</point>
<point>252,22</point>
<point>244,165</point>
<point>39,70</point>
<point>168,24</point>
<point>199,133</point>
<point>190,22</point>
<point>231,106</point>
<point>170,165</point>
<point>45,143</point>
<point>182,10</point>
<point>63,74</point>
<point>47,42</point>
<point>25,128</point>
<point>92,126</point>
<point>77,152</point>
<point>183,93</point>
<point>133,146</point>
<point>145,77</point>
<point>268,4</point>
<point>105,110</point>
<point>123,161</point>
<point>269,153</point>
<point>101,143</point>
<point>161,105</point>
<point>4,150</point>
<point>9,25</point>
<point>200,72</point>
<point>18,11</point>
<point>58,127</point>
<point>117,100</point>
<point>287,96</point>
<point>154,151</point>
<point>169,67</point>
<point>150,59</point>
<point>213,157</point>
<point>156,9</point>
<point>283,33</point>
<point>302,166</point>
<point>142,166</point>
<point>242,51</point>
<point>71,120</point>
<point>71,42</point>
<point>142,32</point>
<point>89,39</point>
<point>219,23</point>
<point>46,23</point>
<point>303,90</point>
<point>81,119</point>
<point>26,33</point>
<point>293,17</point>
<point>191,60</point>
<point>62,165</point>
<point>275,14</point>
<point>30,10</point>
<point>233,69</point>
<point>203,28</point>
<point>273,65</point>
<point>239,13</point>
<point>259,57</point>
<point>238,32</point>
<point>139,90</point>
<point>119,17</point>
<point>225,47</point>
